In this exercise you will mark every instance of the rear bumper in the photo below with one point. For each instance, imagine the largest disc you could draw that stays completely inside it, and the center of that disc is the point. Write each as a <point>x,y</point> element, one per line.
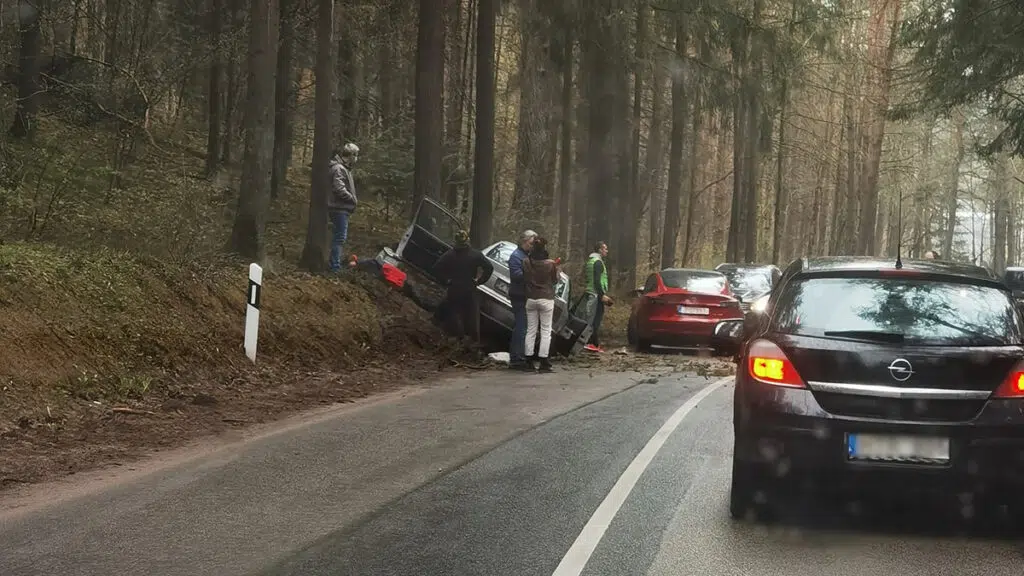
<point>785,430</point>
<point>696,331</point>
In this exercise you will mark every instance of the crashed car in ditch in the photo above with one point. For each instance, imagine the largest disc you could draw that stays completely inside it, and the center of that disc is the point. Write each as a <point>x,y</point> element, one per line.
<point>432,233</point>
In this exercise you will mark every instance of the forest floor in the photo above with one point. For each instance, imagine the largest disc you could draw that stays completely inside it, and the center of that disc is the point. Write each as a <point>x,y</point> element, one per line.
<point>122,318</point>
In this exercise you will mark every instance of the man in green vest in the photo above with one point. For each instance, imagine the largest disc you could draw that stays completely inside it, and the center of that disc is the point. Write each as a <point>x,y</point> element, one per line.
<point>597,292</point>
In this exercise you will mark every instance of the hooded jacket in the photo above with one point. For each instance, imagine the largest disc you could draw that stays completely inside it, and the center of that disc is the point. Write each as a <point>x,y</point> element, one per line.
<point>343,189</point>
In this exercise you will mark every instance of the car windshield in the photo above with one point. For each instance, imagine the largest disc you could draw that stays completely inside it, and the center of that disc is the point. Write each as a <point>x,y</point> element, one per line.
<point>918,311</point>
<point>749,280</point>
<point>694,280</point>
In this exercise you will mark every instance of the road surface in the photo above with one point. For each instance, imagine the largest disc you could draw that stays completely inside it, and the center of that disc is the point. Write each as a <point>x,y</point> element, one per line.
<point>498,474</point>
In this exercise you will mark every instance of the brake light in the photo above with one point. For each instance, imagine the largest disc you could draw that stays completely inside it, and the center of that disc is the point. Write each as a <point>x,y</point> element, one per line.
<point>767,363</point>
<point>1013,386</point>
<point>730,304</point>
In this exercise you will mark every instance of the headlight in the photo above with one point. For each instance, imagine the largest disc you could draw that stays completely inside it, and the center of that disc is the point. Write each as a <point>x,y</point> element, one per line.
<point>760,304</point>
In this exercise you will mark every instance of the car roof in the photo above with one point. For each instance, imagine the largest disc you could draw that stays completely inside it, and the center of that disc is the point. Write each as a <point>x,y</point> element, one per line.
<point>872,263</point>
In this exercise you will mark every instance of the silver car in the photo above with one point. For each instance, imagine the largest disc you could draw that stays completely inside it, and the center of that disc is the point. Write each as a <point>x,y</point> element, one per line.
<point>432,233</point>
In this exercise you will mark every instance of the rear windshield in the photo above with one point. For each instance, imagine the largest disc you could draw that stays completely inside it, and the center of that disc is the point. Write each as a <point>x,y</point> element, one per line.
<point>752,281</point>
<point>923,312</point>
<point>706,282</point>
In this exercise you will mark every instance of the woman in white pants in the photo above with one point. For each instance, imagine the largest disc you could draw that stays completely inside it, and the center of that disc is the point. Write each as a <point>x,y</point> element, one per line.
<point>541,275</point>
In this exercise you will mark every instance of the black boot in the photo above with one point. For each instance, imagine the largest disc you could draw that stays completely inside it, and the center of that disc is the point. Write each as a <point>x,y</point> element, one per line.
<point>531,365</point>
<point>545,365</point>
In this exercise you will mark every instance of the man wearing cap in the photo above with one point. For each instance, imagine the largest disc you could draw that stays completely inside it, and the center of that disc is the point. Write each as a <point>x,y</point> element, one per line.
<point>517,296</point>
<point>342,201</point>
<point>462,269</point>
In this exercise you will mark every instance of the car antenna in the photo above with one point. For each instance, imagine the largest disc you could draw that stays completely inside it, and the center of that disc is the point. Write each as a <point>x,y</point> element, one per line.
<point>899,227</point>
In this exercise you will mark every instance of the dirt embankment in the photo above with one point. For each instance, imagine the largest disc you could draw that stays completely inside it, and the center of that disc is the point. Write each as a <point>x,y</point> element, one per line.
<point>104,356</point>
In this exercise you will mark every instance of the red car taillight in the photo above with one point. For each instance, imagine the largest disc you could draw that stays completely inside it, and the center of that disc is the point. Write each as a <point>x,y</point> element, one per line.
<point>769,364</point>
<point>1013,386</point>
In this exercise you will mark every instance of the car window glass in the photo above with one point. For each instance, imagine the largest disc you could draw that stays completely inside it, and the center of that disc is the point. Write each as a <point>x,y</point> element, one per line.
<point>435,220</point>
<point>924,312</point>
<point>752,281</point>
<point>694,280</point>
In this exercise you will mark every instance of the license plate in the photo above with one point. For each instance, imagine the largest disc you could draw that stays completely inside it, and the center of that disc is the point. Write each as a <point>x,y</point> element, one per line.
<point>694,310</point>
<point>501,286</point>
<point>880,447</point>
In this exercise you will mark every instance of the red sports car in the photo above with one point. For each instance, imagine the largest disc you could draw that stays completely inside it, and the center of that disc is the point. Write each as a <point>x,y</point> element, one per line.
<point>683,307</point>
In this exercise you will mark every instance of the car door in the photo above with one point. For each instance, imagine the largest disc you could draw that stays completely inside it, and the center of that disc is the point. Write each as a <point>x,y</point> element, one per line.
<point>431,234</point>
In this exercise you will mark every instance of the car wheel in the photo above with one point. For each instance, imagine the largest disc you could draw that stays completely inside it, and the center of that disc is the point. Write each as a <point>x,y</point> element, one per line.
<point>631,333</point>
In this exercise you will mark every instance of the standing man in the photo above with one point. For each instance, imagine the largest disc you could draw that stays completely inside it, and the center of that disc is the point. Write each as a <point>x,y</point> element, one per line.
<point>342,201</point>
<point>517,295</point>
<point>597,292</point>
<point>463,268</point>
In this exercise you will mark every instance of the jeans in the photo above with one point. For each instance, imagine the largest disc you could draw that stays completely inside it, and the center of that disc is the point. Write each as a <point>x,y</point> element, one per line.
<point>517,348</point>
<point>339,225</point>
<point>538,316</point>
<point>595,313</point>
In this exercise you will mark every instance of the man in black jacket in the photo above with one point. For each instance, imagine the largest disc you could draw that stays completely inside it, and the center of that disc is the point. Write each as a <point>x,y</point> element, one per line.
<point>462,269</point>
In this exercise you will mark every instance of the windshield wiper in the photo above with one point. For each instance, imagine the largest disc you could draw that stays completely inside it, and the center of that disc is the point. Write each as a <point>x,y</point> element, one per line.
<point>871,335</point>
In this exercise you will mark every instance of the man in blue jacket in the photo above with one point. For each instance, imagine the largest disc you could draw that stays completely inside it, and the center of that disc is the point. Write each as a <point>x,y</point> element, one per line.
<point>517,295</point>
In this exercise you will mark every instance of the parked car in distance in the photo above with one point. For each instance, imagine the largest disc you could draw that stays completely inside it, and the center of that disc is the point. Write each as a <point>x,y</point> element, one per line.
<point>1014,279</point>
<point>685,307</point>
<point>750,282</point>
<point>432,233</point>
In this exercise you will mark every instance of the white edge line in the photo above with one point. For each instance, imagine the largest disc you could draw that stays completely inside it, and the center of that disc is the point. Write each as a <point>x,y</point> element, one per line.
<point>579,553</point>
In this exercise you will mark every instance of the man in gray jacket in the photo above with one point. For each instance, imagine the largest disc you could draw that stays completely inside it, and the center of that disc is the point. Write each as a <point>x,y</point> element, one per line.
<point>342,201</point>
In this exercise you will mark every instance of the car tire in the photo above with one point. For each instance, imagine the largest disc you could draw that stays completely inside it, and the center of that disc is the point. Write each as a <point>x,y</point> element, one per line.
<point>633,337</point>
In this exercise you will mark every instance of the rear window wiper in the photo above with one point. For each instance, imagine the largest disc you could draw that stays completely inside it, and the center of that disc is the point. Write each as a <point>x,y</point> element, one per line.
<point>872,335</point>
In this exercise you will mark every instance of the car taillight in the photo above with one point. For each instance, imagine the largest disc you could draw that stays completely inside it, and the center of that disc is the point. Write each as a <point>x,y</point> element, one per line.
<point>730,304</point>
<point>769,364</point>
<point>1013,386</point>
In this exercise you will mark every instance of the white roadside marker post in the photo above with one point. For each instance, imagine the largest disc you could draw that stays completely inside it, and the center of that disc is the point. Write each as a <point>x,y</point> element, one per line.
<point>252,310</point>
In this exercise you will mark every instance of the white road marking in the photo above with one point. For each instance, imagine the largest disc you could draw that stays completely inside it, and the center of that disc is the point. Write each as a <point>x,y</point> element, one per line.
<point>579,553</point>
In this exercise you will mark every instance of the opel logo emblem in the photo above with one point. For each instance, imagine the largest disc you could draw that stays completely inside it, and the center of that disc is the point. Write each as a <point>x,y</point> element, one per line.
<point>901,370</point>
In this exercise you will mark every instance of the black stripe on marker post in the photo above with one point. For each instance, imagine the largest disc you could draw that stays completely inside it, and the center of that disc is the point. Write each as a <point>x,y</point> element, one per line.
<point>254,294</point>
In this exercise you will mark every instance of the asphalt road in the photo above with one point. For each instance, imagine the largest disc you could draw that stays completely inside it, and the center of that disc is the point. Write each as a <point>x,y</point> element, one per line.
<point>501,474</point>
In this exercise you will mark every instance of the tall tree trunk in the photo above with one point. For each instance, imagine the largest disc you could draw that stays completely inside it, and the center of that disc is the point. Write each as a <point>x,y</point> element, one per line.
<point>314,253</point>
<point>483,169</point>
<point>654,166</point>
<point>1001,212</point>
<point>565,156</point>
<point>753,144</point>
<point>247,234</point>
<point>692,194</point>
<point>670,229</point>
<point>456,96</point>
<point>429,104</point>
<point>30,46</point>
<point>214,95</point>
<point>954,182</point>
<point>740,162</point>
<point>632,207</point>
<point>780,166</point>
<point>601,58</point>
<point>922,195</point>
<point>882,29</point>
<point>231,98</point>
<point>283,112</point>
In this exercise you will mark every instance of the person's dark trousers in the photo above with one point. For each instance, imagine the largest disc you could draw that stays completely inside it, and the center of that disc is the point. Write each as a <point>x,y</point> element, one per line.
<point>467,314</point>
<point>596,324</point>
<point>339,223</point>
<point>517,348</point>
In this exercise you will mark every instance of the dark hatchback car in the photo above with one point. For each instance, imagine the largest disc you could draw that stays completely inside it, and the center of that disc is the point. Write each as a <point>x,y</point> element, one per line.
<point>860,371</point>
